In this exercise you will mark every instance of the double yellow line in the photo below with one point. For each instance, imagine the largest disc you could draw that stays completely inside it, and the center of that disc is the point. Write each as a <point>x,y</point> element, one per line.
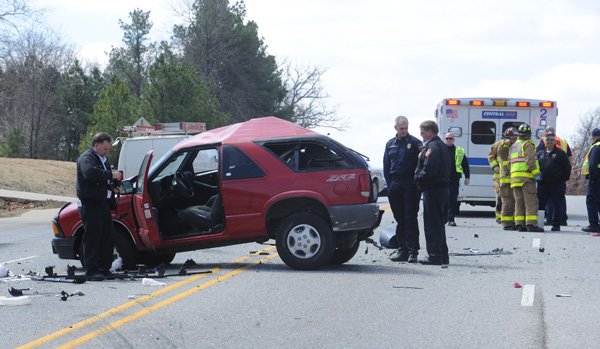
<point>148,310</point>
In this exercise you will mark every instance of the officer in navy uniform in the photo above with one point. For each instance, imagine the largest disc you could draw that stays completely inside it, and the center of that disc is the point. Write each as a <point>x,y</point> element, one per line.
<point>591,170</point>
<point>399,163</point>
<point>433,177</point>
<point>94,182</point>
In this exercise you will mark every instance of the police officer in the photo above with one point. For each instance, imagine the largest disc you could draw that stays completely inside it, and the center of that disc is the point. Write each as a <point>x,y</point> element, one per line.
<point>507,215</point>
<point>560,143</point>
<point>524,171</point>
<point>432,176</point>
<point>399,163</point>
<point>556,170</point>
<point>460,165</point>
<point>591,170</point>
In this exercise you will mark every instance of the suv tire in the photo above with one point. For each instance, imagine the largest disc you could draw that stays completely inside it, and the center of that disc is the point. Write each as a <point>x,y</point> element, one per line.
<point>341,255</point>
<point>305,241</point>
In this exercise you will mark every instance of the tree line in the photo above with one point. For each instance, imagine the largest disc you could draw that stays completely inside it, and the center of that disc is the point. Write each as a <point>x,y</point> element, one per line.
<point>215,69</point>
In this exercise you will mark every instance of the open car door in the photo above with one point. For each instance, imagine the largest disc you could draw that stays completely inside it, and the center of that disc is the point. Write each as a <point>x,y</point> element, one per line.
<point>142,205</point>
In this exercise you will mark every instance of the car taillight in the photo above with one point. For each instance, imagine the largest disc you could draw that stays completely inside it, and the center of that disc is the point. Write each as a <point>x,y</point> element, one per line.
<point>365,185</point>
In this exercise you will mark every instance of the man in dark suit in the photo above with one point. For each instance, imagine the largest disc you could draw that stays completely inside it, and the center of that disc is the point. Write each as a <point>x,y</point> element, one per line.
<point>94,182</point>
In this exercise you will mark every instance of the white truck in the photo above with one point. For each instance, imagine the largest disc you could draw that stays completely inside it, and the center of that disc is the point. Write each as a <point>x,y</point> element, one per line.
<point>134,149</point>
<point>477,123</point>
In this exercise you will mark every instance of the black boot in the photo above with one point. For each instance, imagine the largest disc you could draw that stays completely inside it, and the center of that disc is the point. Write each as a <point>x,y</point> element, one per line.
<point>534,229</point>
<point>521,228</point>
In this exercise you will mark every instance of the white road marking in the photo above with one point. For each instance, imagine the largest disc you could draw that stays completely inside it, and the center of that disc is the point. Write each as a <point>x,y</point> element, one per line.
<point>18,260</point>
<point>536,243</point>
<point>528,295</point>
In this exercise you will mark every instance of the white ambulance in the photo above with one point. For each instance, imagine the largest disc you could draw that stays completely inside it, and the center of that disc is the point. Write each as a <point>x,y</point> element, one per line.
<point>477,123</point>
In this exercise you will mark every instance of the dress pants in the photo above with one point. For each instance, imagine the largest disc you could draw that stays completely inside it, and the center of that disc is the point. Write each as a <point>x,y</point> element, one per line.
<point>592,201</point>
<point>435,203</point>
<point>404,199</point>
<point>98,240</point>
<point>452,197</point>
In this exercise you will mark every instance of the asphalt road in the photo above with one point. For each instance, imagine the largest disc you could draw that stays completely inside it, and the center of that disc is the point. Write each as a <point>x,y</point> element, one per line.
<point>253,300</point>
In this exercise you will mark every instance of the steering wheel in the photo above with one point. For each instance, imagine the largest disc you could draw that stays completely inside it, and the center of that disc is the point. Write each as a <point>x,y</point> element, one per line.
<point>183,184</point>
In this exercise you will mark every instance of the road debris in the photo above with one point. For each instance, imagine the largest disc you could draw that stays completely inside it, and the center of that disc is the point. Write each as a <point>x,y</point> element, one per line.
<point>372,242</point>
<point>476,252</point>
<point>595,234</point>
<point>3,271</point>
<point>476,236</point>
<point>517,285</point>
<point>563,295</point>
<point>152,282</point>
<point>14,301</point>
<point>409,287</point>
<point>191,263</point>
<point>541,249</point>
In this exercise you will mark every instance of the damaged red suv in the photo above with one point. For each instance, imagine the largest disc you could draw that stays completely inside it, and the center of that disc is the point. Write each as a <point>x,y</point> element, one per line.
<point>262,179</point>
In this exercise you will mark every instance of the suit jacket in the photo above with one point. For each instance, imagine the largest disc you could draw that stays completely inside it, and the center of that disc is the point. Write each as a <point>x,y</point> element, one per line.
<point>93,181</point>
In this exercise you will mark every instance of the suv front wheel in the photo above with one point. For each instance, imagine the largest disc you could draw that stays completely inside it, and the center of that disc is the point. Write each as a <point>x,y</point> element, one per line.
<point>305,241</point>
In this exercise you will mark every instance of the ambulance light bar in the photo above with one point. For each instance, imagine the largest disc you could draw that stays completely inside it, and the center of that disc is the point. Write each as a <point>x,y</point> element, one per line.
<point>547,104</point>
<point>476,103</point>
<point>522,104</point>
<point>498,103</point>
<point>452,102</point>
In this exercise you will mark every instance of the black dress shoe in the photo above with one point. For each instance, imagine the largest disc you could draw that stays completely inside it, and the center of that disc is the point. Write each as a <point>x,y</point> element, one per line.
<point>521,228</point>
<point>509,227</point>
<point>401,256</point>
<point>555,228</point>
<point>95,276</point>
<point>452,224</point>
<point>412,258</point>
<point>591,229</point>
<point>431,261</point>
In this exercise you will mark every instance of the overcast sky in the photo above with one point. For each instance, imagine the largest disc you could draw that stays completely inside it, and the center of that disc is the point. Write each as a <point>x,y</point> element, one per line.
<point>386,58</point>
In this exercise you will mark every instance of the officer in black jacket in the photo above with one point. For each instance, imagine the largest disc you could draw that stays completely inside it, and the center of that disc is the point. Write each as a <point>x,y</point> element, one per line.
<point>95,181</point>
<point>399,163</point>
<point>555,169</point>
<point>432,176</point>
<point>591,170</point>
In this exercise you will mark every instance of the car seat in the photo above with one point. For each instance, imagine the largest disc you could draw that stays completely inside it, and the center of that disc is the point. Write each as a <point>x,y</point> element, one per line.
<point>207,217</point>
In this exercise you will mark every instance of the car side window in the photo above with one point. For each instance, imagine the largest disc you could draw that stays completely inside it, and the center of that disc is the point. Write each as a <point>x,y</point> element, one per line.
<point>237,165</point>
<point>305,156</point>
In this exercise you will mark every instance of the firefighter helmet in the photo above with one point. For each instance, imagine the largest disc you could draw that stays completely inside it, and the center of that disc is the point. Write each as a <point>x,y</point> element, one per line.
<point>524,129</point>
<point>510,132</point>
<point>387,237</point>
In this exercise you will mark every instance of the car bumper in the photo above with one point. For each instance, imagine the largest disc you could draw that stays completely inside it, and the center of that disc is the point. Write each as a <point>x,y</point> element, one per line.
<point>65,248</point>
<point>355,217</point>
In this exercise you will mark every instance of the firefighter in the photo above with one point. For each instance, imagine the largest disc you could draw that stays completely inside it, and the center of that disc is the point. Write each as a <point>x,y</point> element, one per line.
<point>507,215</point>
<point>591,170</point>
<point>495,165</point>
<point>524,172</point>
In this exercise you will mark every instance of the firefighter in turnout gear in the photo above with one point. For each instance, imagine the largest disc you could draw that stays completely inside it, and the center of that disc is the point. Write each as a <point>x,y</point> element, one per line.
<point>524,171</point>
<point>495,163</point>
<point>507,215</point>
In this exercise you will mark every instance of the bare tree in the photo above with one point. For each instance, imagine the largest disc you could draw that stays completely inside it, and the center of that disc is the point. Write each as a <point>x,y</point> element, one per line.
<point>30,98</point>
<point>581,142</point>
<point>305,101</point>
<point>13,17</point>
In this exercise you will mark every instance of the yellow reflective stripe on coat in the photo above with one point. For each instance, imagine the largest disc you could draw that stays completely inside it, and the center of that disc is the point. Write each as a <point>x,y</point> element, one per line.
<point>585,168</point>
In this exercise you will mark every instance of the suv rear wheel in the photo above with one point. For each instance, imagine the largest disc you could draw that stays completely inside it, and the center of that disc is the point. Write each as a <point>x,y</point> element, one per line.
<point>305,241</point>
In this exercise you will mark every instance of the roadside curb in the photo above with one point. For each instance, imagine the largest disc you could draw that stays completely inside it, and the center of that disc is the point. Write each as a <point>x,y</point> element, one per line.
<point>33,196</point>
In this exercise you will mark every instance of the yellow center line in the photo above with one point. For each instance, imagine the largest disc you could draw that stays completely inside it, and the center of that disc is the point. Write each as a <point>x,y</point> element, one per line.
<point>125,306</point>
<point>157,306</point>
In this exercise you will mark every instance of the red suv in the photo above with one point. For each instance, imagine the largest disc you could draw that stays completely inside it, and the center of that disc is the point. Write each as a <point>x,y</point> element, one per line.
<point>262,179</point>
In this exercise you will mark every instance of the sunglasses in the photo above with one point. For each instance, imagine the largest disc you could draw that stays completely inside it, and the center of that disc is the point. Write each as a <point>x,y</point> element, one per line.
<point>449,138</point>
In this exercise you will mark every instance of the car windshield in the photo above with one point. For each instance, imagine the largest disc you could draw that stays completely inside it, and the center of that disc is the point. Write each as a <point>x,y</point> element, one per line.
<point>172,166</point>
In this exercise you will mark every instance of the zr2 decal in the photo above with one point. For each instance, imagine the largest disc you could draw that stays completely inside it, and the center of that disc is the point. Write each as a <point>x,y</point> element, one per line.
<point>341,178</point>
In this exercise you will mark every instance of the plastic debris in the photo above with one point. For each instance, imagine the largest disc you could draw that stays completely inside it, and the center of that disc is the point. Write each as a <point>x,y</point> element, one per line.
<point>191,263</point>
<point>17,292</point>
<point>595,234</point>
<point>476,236</point>
<point>517,285</point>
<point>3,271</point>
<point>64,295</point>
<point>50,270</point>
<point>14,301</point>
<point>541,249</point>
<point>563,295</point>
<point>71,270</point>
<point>117,264</point>
<point>409,287</point>
<point>152,282</point>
